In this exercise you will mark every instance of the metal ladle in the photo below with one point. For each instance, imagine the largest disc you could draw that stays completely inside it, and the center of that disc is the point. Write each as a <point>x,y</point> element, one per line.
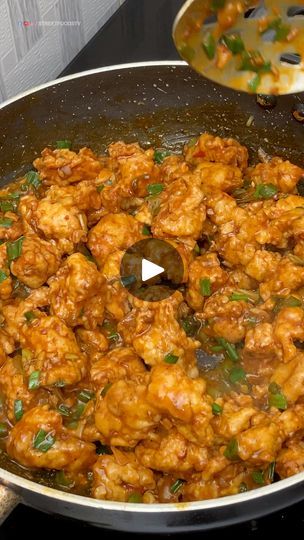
<point>256,47</point>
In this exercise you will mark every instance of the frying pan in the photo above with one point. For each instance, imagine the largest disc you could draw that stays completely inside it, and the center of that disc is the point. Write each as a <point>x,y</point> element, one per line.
<point>161,104</point>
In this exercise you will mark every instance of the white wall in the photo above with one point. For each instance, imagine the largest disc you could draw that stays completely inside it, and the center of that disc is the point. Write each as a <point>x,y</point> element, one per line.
<point>34,52</point>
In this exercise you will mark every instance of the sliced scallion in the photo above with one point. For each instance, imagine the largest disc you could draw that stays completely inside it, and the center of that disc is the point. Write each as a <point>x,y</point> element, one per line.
<point>43,440</point>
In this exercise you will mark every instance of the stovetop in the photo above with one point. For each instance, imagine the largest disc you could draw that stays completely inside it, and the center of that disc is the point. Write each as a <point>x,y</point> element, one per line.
<point>139,31</point>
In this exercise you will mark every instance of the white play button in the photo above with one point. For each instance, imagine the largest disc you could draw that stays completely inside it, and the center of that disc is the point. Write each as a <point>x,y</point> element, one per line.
<point>150,270</point>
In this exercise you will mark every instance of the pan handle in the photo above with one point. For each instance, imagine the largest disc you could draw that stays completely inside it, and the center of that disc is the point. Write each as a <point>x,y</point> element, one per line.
<point>8,501</point>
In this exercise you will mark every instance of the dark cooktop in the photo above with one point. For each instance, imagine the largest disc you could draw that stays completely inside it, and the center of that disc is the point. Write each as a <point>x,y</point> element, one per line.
<point>139,31</point>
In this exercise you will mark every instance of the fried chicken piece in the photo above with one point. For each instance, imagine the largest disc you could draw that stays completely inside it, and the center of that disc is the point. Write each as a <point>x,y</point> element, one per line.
<point>14,231</point>
<point>153,331</point>
<point>226,481</point>
<point>183,400</point>
<point>63,167</point>
<point>211,148</point>
<point>288,327</point>
<point>236,415</point>
<point>132,164</point>
<point>6,285</point>
<point>283,279</point>
<point>120,363</point>
<point>260,342</point>
<point>13,386</point>
<point>91,342</point>
<point>78,292</point>
<point>116,477</point>
<point>282,174</point>
<point>61,221</point>
<point>65,451</point>
<point>117,303</point>
<point>171,453</point>
<point>260,444</point>
<point>206,267</point>
<point>227,318</point>
<point>37,262</point>
<point>113,232</point>
<point>290,460</point>
<point>172,168</point>
<point>290,377</point>
<point>124,416</point>
<point>53,351</point>
<point>181,210</point>
<point>219,176</point>
<point>51,346</point>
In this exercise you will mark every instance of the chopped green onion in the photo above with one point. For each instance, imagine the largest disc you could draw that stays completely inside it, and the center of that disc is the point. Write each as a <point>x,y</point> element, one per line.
<point>289,301</point>
<point>3,276</point>
<point>7,206</point>
<point>3,430</point>
<point>274,388</point>
<point>86,395</point>
<point>18,409</point>
<point>43,441</point>
<point>33,178</point>
<point>59,384</point>
<point>114,336</point>
<point>190,325</point>
<point>192,142</point>
<point>155,189</point>
<point>217,348</point>
<point>258,477</point>
<point>100,188</point>
<point>271,470</point>
<point>34,382</point>
<point>229,348</point>
<point>105,389</point>
<point>237,374</point>
<point>243,487</point>
<point>102,449</point>
<point>135,498</point>
<point>265,191</point>
<point>77,410</point>
<point>6,222</point>
<point>254,61</point>
<point>238,297</point>
<point>171,358</point>
<point>196,249</point>
<point>175,487</point>
<point>13,195</point>
<point>217,4</point>
<point>205,287</point>
<point>30,316</point>
<point>209,45</point>
<point>281,30</point>
<point>254,84</point>
<point>233,42</point>
<point>278,400</point>
<point>63,144</point>
<point>217,409</point>
<point>232,450</point>
<point>14,249</point>
<point>160,155</point>
<point>62,481</point>
<point>64,410</point>
<point>146,230</point>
